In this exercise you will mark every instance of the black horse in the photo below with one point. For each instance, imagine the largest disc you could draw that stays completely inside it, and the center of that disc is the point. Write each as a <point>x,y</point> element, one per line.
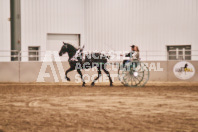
<point>94,59</point>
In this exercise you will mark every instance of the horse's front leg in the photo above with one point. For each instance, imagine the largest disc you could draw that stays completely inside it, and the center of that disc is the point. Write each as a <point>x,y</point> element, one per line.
<point>70,69</point>
<point>79,72</point>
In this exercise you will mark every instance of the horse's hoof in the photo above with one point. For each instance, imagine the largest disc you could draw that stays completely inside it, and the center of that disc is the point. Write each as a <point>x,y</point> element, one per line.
<point>67,78</point>
<point>111,84</point>
<point>92,84</point>
<point>83,85</point>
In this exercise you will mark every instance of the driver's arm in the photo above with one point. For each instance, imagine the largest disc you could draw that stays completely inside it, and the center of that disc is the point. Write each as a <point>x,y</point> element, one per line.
<point>129,54</point>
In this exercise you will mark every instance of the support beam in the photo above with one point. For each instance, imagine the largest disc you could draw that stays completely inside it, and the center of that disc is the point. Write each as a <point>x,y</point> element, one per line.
<point>15,13</point>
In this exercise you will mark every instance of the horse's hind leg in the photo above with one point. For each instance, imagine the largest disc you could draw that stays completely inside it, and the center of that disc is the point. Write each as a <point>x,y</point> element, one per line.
<point>99,74</point>
<point>70,69</point>
<point>79,72</point>
<point>108,74</point>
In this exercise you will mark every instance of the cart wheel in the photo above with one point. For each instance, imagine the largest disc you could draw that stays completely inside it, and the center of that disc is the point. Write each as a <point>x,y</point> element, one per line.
<point>133,74</point>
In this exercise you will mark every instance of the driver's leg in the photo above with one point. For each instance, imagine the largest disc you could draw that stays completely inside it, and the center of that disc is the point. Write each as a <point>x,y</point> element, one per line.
<point>124,61</point>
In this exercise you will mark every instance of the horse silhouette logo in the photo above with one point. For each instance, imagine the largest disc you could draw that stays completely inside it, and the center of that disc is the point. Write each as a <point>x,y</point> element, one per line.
<point>184,70</point>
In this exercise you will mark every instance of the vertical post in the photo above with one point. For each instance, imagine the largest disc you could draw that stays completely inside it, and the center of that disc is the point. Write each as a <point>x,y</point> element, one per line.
<point>19,63</point>
<point>15,13</point>
<point>177,53</point>
<point>184,54</point>
<point>167,55</point>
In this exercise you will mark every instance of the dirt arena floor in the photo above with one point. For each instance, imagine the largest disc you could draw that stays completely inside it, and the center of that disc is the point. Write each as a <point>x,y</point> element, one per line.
<point>71,108</point>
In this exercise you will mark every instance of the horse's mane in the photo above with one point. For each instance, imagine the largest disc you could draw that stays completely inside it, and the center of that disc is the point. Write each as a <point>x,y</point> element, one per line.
<point>71,47</point>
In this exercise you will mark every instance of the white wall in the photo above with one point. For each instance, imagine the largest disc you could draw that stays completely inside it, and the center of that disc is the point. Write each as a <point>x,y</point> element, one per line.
<point>150,24</point>
<point>113,24</point>
<point>4,30</point>
<point>39,17</point>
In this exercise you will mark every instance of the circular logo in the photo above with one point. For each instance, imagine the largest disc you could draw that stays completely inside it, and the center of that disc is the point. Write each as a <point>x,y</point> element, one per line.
<point>184,70</point>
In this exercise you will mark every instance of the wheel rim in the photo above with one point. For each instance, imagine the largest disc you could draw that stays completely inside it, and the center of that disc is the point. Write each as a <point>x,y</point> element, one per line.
<point>136,76</point>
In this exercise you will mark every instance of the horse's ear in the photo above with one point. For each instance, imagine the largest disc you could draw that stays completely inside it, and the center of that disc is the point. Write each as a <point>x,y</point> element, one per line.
<point>63,42</point>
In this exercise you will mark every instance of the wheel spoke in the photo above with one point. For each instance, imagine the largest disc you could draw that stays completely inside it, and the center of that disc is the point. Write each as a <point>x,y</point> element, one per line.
<point>134,80</point>
<point>134,76</point>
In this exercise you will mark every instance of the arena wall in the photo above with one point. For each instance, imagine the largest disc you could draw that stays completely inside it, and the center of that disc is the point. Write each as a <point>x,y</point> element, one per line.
<point>105,25</point>
<point>113,24</point>
<point>51,72</point>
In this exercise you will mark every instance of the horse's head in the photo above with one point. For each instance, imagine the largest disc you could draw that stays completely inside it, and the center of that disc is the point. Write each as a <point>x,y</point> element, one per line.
<point>63,49</point>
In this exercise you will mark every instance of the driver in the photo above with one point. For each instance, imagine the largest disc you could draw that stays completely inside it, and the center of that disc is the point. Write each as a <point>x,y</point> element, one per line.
<point>129,54</point>
<point>134,54</point>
